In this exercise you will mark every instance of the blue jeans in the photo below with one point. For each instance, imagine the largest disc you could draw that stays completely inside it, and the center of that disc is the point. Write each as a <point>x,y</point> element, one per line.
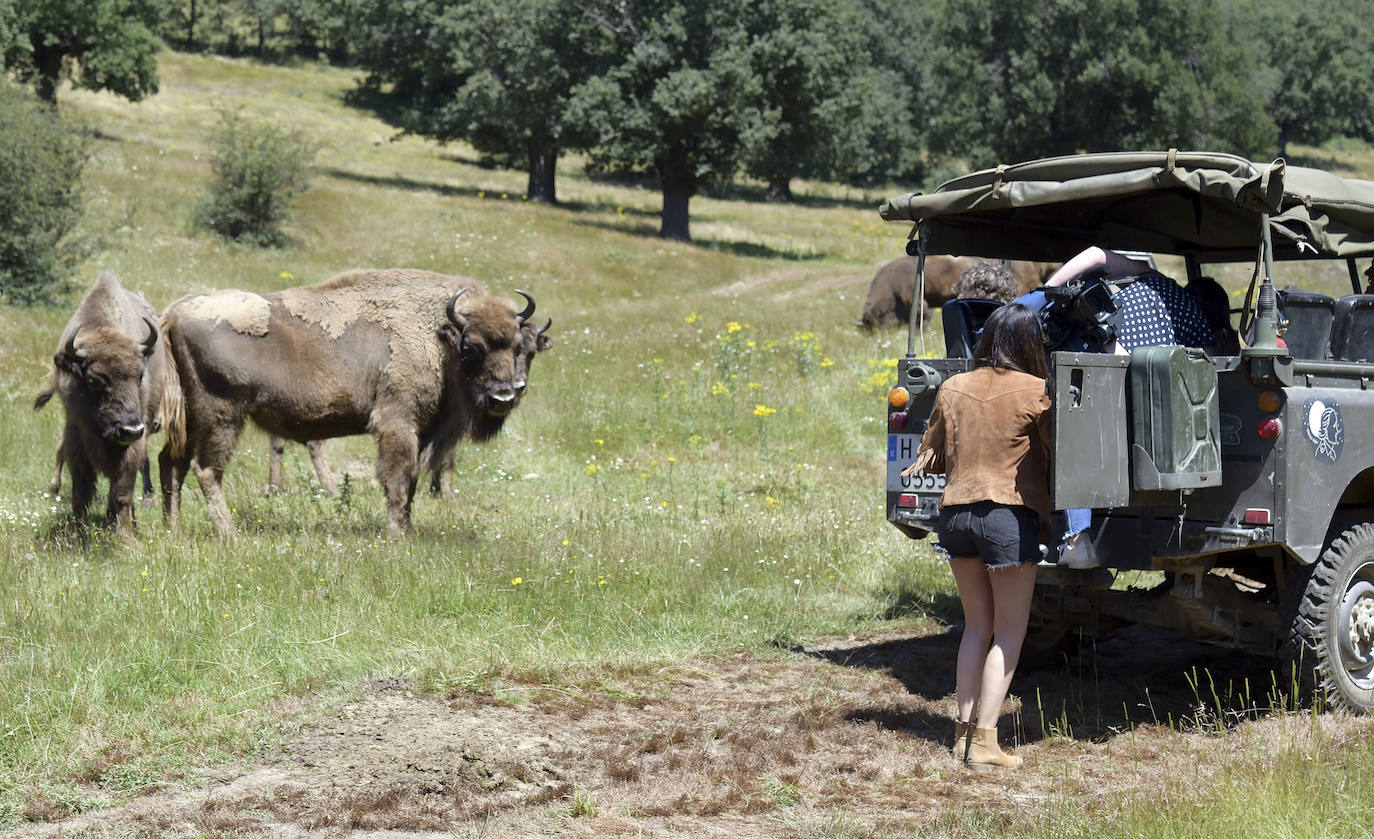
<point>1078,521</point>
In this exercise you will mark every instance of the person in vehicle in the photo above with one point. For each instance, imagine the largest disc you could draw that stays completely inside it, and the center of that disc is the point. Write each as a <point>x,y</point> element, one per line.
<point>1215,304</point>
<point>989,434</point>
<point>1152,310</point>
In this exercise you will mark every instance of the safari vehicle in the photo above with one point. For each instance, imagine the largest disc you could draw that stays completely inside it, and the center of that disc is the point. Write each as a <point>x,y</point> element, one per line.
<point>1247,480</point>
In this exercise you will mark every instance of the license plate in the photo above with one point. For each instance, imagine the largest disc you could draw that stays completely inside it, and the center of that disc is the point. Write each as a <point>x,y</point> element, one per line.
<point>901,451</point>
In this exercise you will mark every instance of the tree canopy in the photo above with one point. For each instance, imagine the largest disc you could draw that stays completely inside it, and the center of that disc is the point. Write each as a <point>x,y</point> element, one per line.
<point>497,74</point>
<point>680,99</point>
<point>97,44</point>
<point>1023,80</point>
<point>1318,60</point>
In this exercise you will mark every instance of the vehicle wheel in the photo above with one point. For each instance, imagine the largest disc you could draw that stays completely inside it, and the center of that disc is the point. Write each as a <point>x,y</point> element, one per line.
<point>1333,628</point>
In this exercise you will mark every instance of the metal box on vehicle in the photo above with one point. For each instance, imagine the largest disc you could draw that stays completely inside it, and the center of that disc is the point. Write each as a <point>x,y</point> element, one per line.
<point>1175,419</point>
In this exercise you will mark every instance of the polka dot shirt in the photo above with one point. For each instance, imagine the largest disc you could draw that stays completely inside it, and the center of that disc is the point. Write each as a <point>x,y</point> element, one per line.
<point>1156,311</point>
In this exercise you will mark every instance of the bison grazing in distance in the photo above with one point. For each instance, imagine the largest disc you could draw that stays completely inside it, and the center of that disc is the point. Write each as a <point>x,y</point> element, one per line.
<point>111,372</point>
<point>889,295</point>
<point>418,360</point>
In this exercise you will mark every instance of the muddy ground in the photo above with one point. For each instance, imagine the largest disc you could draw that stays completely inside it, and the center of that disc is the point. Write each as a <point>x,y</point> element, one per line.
<point>847,738</point>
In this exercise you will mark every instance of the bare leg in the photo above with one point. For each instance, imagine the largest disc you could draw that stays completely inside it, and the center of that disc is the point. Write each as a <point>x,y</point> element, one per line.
<point>1012,590</point>
<point>975,593</point>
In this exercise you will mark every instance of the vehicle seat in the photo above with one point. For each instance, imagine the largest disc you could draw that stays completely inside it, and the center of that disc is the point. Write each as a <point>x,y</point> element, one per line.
<point>1309,317</point>
<point>963,319</point>
<point>1352,330</point>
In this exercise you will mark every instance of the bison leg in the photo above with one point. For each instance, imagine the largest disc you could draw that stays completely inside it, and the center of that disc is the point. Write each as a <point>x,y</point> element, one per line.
<point>146,470</point>
<point>171,475</point>
<point>83,486</point>
<point>398,470</point>
<point>55,485</point>
<point>276,448</point>
<point>441,481</point>
<point>120,504</point>
<point>212,485</point>
<point>316,449</point>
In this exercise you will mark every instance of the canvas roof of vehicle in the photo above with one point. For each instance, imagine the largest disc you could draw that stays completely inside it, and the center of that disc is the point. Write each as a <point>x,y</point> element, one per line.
<point>1201,204</point>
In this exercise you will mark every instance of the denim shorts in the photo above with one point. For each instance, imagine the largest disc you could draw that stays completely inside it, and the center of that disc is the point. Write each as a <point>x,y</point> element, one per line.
<point>1001,535</point>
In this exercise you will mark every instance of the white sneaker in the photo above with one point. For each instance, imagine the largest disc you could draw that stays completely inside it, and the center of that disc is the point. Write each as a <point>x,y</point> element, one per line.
<point>1078,552</point>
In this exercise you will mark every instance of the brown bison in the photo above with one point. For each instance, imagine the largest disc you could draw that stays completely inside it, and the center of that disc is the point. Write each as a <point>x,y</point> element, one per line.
<point>441,483</point>
<point>532,342</point>
<point>111,372</point>
<point>418,360</point>
<point>889,295</point>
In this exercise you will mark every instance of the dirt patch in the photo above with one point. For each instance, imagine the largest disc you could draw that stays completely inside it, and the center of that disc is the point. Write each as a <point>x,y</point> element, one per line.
<point>847,737</point>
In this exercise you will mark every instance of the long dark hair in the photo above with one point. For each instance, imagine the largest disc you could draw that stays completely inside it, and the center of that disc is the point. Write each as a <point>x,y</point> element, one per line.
<point>1012,340</point>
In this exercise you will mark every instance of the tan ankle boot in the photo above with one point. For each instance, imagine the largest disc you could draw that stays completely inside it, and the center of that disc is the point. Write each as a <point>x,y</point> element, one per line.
<point>962,732</point>
<point>984,753</point>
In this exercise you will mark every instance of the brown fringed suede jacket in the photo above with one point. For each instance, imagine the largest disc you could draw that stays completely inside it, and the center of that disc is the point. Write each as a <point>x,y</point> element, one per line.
<point>990,434</point>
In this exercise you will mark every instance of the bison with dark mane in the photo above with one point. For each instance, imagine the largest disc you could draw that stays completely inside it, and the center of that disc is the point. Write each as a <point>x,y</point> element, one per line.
<point>418,360</point>
<point>111,372</point>
<point>532,341</point>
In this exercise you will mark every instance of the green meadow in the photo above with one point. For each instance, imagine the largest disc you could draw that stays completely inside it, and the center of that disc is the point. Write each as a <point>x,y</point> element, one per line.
<point>695,470</point>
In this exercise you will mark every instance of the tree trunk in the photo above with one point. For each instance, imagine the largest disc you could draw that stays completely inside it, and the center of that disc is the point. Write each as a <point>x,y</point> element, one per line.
<point>1283,140</point>
<point>679,184</point>
<point>543,166</point>
<point>191,28</point>
<point>48,62</point>
<point>676,222</point>
<point>262,38</point>
<point>779,189</point>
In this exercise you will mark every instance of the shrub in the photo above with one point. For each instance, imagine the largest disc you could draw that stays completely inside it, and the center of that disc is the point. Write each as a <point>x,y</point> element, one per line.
<point>41,158</point>
<point>257,169</point>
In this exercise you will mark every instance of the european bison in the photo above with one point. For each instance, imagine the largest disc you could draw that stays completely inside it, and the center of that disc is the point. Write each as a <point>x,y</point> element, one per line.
<point>441,482</point>
<point>110,371</point>
<point>419,360</point>
<point>532,342</point>
<point>889,295</point>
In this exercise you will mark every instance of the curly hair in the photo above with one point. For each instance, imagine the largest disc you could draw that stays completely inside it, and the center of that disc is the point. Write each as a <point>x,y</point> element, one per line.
<point>988,281</point>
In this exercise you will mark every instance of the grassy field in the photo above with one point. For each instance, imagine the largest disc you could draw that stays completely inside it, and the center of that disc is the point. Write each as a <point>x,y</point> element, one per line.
<point>694,472</point>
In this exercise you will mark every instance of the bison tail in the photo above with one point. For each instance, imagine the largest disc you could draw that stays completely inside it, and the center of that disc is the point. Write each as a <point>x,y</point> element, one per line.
<point>172,411</point>
<point>44,395</point>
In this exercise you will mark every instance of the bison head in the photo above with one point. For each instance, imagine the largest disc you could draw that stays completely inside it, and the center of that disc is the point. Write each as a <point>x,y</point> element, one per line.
<point>495,346</point>
<point>106,369</point>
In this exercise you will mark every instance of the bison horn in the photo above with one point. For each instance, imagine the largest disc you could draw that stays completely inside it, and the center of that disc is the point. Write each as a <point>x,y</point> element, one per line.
<point>458,320</point>
<point>70,350</point>
<point>529,306</point>
<point>545,327</point>
<point>151,340</point>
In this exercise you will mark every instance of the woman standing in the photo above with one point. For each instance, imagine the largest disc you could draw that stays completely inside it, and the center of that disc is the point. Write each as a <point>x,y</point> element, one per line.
<point>990,435</point>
